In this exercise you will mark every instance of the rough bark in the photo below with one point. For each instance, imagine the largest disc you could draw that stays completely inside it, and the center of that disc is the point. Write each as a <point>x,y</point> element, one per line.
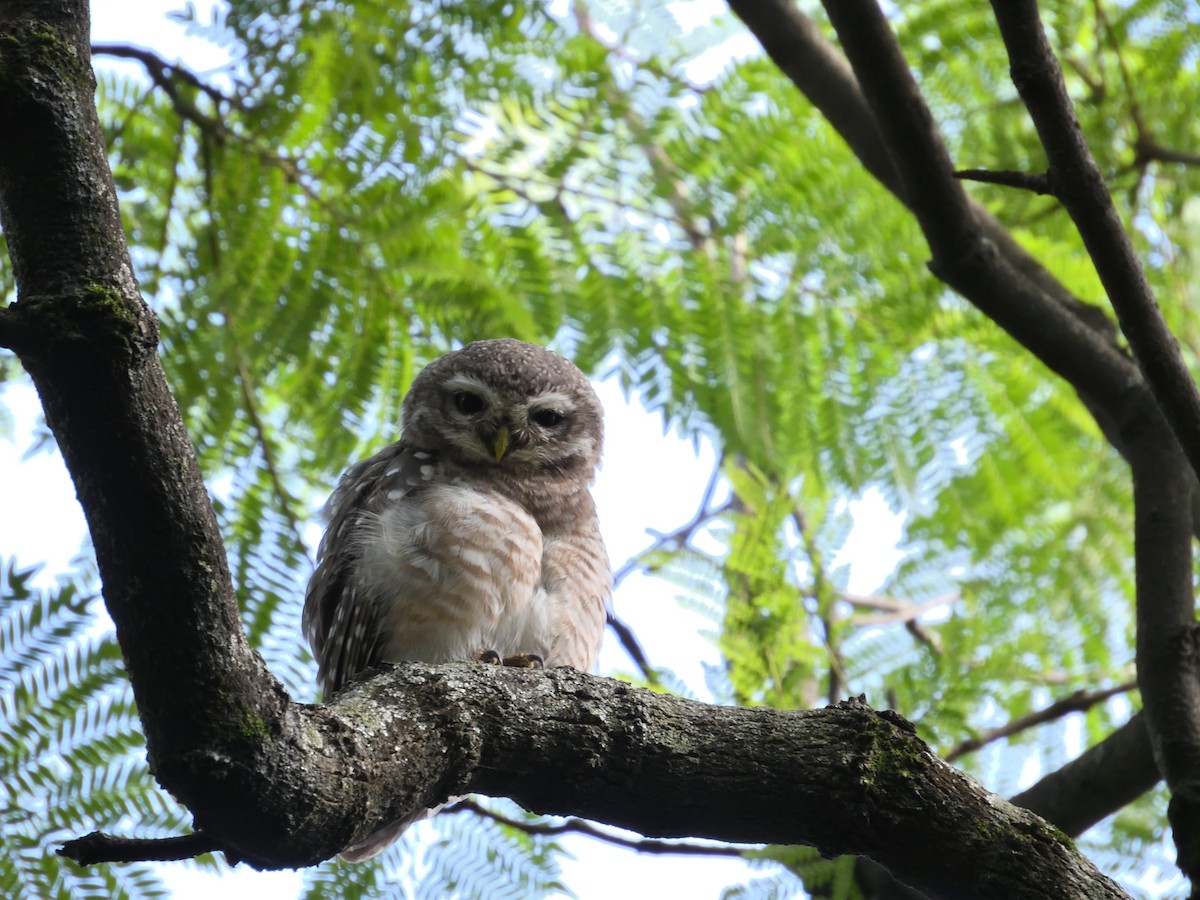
<point>279,783</point>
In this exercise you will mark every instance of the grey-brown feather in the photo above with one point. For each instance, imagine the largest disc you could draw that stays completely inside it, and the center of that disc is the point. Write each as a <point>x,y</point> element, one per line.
<point>436,550</point>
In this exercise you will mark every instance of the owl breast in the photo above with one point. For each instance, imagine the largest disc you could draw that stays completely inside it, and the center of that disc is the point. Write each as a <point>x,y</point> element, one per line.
<point>457,570</point>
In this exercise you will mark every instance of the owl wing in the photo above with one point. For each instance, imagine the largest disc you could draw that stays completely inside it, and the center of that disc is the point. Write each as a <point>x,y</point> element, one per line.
<point>345,632</point>
<point>578,587</point>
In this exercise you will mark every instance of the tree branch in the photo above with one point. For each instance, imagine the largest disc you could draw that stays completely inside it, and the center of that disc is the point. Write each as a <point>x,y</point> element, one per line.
<point>1167,636</point>
<point>1080,701</point>
<point>796,45</point>
<point>633,647</point>
<point>579,826</point>
<point>1101,780</point>
<point>105,848</point>
<point>1146,150</point>
<point>1095,369</point>
<point>962,256</point>
<point>163,73</point>
<point>1166,653</point>
<point>657,764</point>
<point>1081,189</point>
<point>1040,183</point>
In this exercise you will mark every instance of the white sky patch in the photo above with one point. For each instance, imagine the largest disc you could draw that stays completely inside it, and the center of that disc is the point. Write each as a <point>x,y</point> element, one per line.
<point>41,521</point>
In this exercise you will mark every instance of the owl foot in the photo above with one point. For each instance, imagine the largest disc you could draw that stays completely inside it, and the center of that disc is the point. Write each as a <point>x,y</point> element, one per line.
<point>518,660</point>
<point>525,661</point>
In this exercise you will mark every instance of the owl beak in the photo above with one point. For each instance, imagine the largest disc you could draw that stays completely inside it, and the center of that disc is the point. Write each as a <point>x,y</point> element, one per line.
<point>500,445</point>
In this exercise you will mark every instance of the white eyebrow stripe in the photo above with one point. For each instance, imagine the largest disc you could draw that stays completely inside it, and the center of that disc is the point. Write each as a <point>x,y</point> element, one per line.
<point>553,399</point>
<point>464,382</point>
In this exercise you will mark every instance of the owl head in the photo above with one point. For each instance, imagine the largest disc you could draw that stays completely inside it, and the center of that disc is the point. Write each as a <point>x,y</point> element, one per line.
<point>508,404</point>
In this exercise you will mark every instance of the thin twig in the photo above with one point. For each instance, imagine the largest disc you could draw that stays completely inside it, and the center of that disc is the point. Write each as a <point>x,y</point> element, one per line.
<point>579,826</point>
<point>677,538</point>
<point>621,50</point>
<point>901,611</point>
<point>161,70</point>
<point>1080,701</point>
<point>633,647</point>
<point>166,77</point>
<point>250,402</point>
<point>681,536</point>
<point>906,612</point>
<point>1040,183</point>
<point>516,184</point>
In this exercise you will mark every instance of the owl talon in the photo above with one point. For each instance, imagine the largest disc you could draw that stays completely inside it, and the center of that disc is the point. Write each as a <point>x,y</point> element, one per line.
<point>489,657</point>
<point>525,661</point>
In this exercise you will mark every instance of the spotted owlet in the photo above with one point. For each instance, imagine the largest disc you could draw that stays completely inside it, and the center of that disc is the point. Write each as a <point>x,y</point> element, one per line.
<point>474,536</point>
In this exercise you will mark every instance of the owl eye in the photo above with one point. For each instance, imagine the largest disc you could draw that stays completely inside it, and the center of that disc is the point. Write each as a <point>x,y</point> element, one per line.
<point>468,402</point>
<point>547,418</point>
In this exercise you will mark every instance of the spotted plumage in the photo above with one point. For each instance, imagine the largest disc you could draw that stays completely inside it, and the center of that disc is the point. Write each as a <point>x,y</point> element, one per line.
<point>474,532</point>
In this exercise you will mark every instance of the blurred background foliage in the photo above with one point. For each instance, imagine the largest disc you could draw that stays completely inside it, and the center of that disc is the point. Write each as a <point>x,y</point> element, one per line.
<point>369,184</point>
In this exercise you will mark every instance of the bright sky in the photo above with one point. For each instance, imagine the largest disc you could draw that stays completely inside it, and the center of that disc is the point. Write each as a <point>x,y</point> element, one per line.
<point>650,481</point>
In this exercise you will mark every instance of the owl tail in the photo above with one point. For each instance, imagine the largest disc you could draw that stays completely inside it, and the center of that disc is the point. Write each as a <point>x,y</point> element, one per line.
<point>386,836</point>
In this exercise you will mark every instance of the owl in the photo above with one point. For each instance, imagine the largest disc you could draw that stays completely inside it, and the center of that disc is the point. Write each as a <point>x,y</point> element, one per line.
<point>475,535</point>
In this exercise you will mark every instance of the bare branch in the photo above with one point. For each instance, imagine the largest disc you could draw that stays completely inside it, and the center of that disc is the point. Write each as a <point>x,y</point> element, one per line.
<point>163,72</point>
<point>1023,305</point>
<point>581,826</point>
<point>797,46</point>
<point>1148,151</point>
<point>903,611</point>
<point>1080,701</point>
<point>633,647</point>
<point>104,848</point>
<point>1040,183</point>
<point>1166,651</point>
<point>681,536</point>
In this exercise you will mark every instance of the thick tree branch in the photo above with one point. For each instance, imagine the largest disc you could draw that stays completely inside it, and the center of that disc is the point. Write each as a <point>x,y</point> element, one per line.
<point>802,53</point>
<point>1167,636</point>
<point>1167,653</point>
<point>813,64</point>
<point>89,344</point>
<point>796,45</point>
<point>1081,188</point>
<point>962,256</point>
<point>859,781</point>
<point>1098,782</point>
